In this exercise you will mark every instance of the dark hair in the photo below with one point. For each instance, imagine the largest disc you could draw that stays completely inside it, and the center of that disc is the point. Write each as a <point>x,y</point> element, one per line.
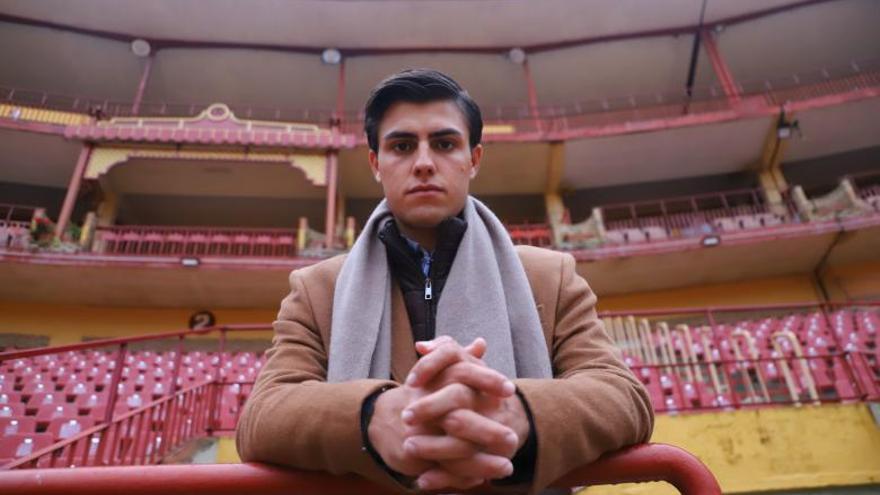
<point>419,86</point>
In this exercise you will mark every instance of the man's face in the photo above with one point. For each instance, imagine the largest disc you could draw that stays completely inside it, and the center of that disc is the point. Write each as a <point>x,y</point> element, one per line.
<point>424,162</point>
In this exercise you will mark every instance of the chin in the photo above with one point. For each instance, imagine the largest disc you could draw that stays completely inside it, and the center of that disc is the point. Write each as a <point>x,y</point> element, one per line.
<point>421,218</point>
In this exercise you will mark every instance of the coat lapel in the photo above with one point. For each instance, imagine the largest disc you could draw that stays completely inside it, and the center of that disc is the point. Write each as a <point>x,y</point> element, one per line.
<point>403,353</point>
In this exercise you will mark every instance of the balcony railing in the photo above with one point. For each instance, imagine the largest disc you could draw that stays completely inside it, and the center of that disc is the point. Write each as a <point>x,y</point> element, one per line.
<point>690,216</point>
<point>853,75</point>
<point>140,240</point>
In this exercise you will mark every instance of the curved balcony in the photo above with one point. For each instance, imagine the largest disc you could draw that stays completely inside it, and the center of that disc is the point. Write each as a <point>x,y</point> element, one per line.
<point>855,79</point>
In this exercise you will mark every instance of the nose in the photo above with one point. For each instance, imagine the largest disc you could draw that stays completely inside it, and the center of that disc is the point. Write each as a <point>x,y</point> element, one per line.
<point>424,164</point>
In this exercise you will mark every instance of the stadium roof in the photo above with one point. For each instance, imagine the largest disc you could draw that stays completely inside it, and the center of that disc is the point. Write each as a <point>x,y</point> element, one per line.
<point>360,24</point>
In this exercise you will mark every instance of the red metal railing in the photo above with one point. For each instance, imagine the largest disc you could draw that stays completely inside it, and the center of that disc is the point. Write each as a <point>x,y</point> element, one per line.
<point>696,215</point>
<point>651,462</point>
<point>195,241</point>
<point>531,234</point>
<point>128,437</point>
<point>17,213</point>
<point>142,436</point>
<point>731,357</point>
<point>857,74</point>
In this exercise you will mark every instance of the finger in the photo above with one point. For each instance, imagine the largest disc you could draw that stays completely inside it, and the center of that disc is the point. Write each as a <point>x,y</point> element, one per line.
<point>438,447</point>
<point>426,346</point>
<point>481,465</point>
<point>437,478</point>
<point>477,348</point>
<point>438,404</point>
<point>488,435</point>
<point>429,365</point>
<point>477,376</point>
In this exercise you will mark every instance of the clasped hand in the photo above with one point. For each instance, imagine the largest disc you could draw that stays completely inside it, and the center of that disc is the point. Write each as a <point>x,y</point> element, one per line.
<point>455,423</point>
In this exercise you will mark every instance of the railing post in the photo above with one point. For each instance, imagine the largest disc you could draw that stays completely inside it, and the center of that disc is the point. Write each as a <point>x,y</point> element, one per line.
<point>178,358</point>
<point>219,383</point>
<point>843,354</point>
<point>724,364</point>
<point>114,383</point>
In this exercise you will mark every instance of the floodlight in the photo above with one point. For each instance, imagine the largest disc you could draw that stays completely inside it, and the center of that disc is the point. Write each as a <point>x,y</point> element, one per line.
<point>331,56</point>
<point>190,262</point>
<point>710,241</point>
<point>140,47</point>
<point>517,56</point>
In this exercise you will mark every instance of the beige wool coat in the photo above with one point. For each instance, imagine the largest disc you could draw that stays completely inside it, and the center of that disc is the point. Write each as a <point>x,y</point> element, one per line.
<point>293,417</point>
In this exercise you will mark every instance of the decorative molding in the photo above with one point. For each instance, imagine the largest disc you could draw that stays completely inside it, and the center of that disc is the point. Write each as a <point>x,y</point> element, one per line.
<point>217,124</point>
<point>105,158</point>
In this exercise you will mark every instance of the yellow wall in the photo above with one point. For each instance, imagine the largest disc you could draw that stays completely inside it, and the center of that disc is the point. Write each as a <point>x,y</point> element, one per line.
<point>775,290</point>
<point>226,452</point>
<point>69,324</point>
<point>758,449</point>
<point>852,282</point>
<point>773,448</point>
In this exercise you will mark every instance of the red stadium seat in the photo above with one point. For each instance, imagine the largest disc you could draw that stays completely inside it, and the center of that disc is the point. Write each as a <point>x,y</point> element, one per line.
<point>10,398</point>
<point>75,389</point>
<point>17,424</point>
<point>22,444</point>
<point>44,398</point>
<point>35,387</point>
<point>10,410</point>
<point>64,428</point>
<point>47,413</point>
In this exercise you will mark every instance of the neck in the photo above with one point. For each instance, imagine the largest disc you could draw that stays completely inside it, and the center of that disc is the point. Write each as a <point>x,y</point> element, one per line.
<point>426,237</point>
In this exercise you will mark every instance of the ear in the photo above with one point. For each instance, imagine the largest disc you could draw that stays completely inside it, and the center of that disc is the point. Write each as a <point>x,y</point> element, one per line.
<point>476,159</point>
<point>373,158</point>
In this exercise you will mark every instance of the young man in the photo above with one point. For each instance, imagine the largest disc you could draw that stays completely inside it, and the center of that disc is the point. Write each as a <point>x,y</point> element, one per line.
<point>436,354</point>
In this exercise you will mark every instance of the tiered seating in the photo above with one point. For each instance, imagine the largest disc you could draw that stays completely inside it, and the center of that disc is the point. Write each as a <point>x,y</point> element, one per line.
<point>796,358</point>
<point>799,357</point>
<point>531,234</point>
<point>53,397</point>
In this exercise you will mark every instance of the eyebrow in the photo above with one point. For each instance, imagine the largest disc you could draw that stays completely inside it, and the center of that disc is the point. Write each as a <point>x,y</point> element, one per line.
<point>411,135</point>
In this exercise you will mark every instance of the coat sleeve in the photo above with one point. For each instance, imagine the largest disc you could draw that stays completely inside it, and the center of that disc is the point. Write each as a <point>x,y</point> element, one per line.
<point>594,404</point>
<point>293,417</point>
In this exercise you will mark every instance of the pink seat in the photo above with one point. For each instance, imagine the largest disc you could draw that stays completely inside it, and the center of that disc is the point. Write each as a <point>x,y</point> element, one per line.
<point>242,245</point>
<point>263,245</point>
<point>285,245</point>
<point>197,243</point>
<point>111,240</point>
<point>86,402</point>
<point>36,387</point>
<point>17,424</point>
<point>10,398</point>
<point>174,242</point>
<point>47,413</point>
<point>10,410</point>
<point>44,398</point>
<point>220,244</point>
<point>130,242</point>
<point>22,444</point>
<point>64,428</point>
<point>73,389</point>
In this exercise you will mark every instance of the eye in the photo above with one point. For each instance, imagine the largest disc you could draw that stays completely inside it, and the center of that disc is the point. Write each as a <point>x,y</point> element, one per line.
<point>402,147</point>
<point>444,145</point>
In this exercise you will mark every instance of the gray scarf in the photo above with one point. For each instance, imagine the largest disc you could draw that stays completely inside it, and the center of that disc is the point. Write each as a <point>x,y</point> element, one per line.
<point>486,295</point>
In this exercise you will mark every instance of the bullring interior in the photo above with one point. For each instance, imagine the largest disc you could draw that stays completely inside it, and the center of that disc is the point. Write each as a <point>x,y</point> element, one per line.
<point>165,167</point>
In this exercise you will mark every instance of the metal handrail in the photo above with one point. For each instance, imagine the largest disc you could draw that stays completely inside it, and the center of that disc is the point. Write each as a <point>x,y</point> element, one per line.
<point>650,462</point>
<point>496,113</point>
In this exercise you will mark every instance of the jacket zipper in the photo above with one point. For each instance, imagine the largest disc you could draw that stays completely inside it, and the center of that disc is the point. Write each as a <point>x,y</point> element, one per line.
<point>429,302</point>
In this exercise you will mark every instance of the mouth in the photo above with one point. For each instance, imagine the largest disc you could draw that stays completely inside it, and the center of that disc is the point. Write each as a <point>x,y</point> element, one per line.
<point>425,188</point>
